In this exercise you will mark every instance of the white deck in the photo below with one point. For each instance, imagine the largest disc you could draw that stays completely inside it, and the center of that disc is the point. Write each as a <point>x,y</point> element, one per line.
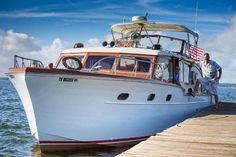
<point>124,50</point>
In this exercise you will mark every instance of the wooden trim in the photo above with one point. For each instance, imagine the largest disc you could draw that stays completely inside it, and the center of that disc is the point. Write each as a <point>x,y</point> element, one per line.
<point>63,71</point>
<point>17,70</point>
<point>51,72</point>
<point>154,66</point>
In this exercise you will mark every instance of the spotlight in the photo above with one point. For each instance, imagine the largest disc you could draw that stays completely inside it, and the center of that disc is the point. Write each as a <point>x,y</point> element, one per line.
<point>78,45</point>
<point>112,43</point>
<point>104,43</point>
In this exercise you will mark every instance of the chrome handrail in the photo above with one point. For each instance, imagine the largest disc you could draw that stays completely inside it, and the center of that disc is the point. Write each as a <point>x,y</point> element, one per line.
<point>33,62</point>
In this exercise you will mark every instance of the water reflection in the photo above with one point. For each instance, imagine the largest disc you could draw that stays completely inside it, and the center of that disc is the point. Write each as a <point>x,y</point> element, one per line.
<point>101,152</point>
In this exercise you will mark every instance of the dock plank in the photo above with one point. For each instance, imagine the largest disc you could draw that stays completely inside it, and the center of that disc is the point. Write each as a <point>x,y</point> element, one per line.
<point>210,133</point>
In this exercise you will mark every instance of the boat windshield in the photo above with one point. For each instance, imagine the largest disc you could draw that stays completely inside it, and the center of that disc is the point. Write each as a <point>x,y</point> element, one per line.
<point>150,40</point>
<point>171,44</point>
<point>101,62</point>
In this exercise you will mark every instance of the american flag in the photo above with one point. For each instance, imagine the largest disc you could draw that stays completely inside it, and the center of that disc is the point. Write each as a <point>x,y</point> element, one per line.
<point>195,52</point>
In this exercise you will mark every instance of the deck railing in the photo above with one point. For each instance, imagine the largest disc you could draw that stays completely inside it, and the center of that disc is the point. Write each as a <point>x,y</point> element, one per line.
<point>26,62</point>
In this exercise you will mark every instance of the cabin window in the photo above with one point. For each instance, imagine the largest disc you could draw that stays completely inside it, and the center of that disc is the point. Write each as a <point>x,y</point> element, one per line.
<point>163,69</point>
<point>195,74</point>
<point>168,97</point>
<point>134,64</point>
<point>151,97</point>
<point>176,72</point>
<point>185,73</point>
<point>143,64</point>
<point>127,64</point>
<point>123,96</point>
<point>103,62</point>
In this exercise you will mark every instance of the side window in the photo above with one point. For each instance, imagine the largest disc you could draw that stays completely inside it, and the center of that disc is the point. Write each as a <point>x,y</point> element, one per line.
<point>185,72</point>
<point>143,64</point>
<point>126,64</point>
<point>194,75</point>
<point>134,64</point>
<point>176,68</point>
<point>104,62</point>
<point>163,69</point>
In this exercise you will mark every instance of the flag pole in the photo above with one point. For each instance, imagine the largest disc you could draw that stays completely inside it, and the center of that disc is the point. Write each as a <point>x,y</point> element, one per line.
<point>195,26</point>
<point>196,16</point>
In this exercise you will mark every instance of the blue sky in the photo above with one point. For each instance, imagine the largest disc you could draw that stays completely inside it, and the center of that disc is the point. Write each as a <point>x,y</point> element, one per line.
<point>70,19</point>
<point>44,25</point>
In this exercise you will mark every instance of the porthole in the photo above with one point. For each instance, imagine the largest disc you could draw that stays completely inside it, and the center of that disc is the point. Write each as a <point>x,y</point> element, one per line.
<point>151,97</point>
<point>168,97</point>
<point>123,96</point>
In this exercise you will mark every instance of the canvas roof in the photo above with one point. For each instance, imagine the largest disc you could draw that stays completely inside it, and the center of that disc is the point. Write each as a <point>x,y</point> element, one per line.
<point>128,28</point>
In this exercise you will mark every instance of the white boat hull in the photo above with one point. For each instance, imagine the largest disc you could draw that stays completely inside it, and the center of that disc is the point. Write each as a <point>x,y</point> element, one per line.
<point>77,111</point>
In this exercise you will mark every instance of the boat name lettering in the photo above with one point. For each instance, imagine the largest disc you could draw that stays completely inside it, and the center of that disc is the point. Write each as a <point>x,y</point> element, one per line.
<point>66,79</point>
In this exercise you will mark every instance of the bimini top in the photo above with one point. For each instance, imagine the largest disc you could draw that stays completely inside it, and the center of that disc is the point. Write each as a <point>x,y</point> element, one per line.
<point>128,28</point>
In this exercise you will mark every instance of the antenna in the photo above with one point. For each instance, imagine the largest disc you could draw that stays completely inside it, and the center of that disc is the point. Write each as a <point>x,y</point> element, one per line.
<point>195,29</point>
<point>124,19</point>
<point>145,16</point>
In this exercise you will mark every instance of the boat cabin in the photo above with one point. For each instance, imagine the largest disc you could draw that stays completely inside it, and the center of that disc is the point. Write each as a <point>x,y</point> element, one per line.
<point>131,62</point>
<point>138,49</point>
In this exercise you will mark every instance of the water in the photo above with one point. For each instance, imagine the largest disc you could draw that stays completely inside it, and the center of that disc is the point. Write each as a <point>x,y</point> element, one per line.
<point>15,138</point>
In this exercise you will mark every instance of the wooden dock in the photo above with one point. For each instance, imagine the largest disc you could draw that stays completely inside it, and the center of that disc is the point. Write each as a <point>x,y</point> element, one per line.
<point>210,133</point>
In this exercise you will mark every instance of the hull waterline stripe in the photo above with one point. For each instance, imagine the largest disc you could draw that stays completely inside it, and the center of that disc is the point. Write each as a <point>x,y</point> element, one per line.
<point>94,142</point>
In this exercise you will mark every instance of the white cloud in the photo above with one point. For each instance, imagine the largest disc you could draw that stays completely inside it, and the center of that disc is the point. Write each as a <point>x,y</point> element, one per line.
<point>14,43</point>
<point>49,53</point>
<point>5,62</point>
<point>108,38</point>
<point>93,42</point>
<point>222,48</point>
<point>30,14</point>
<point>98,15</point>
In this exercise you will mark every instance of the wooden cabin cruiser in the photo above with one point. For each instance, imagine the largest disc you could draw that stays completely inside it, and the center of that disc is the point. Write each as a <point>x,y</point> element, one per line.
<point>114,95</point>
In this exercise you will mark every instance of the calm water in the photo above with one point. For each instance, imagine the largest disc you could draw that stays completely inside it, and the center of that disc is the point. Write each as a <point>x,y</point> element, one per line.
<point>15,138</point>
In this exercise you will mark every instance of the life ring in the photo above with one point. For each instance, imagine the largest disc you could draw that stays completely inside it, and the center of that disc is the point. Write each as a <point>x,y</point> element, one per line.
<point>65,59</point>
